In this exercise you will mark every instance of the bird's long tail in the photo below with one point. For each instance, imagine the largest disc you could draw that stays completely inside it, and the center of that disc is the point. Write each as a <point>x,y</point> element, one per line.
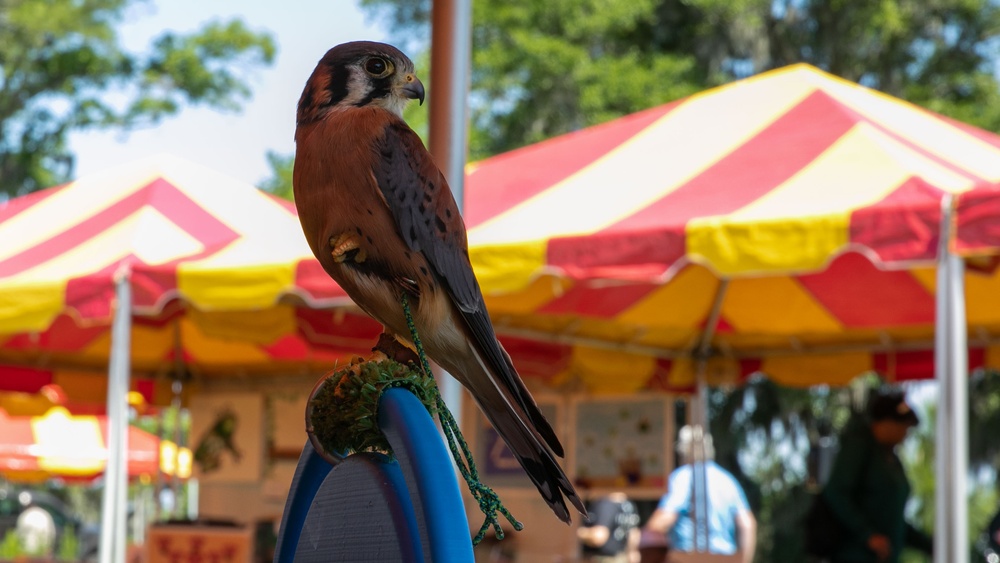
<point>527,445</point>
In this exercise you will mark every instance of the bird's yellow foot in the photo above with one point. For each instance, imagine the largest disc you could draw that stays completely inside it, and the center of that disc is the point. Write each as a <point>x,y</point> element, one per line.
<point>345,247</point>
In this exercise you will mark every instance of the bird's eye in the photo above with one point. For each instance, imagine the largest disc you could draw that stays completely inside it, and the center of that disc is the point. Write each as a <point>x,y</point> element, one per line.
<point>377,66</point>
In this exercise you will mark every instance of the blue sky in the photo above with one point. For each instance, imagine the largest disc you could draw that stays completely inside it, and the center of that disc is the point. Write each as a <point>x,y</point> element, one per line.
<point>232,143</point>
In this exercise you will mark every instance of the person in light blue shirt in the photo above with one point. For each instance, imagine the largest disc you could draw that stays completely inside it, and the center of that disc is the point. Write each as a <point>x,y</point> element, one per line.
<point>719,519</point>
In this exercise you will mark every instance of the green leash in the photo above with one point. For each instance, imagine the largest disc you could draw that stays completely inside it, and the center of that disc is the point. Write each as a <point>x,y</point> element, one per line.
<point>489,501</point>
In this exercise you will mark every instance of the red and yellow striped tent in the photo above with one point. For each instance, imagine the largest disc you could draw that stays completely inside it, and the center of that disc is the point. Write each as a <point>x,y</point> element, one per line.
<point>800,209</point>
<point>222,282</point>
<point>786,223</point>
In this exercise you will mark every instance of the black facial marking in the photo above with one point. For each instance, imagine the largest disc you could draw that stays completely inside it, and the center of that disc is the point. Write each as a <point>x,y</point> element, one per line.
<point>338,85</point>
<point>336,61</point>
<point>380,89</point>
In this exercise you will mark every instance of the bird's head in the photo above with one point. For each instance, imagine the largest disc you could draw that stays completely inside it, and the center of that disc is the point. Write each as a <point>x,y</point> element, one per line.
<point>357,74</point>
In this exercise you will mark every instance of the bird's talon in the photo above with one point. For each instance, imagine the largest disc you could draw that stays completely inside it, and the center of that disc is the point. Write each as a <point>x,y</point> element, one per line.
<point>389,347</point>
<point>342,247</point>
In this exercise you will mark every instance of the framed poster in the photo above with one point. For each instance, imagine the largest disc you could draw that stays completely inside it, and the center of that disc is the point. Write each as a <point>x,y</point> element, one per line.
<point>227,437</point>
<point>622,442</point>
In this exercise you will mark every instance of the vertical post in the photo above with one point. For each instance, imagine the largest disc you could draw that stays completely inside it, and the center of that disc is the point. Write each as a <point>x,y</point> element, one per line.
<point>958,395</point>
<point>951,372</point>
<point>699,475</point>
<point>451,52</point>
<point>114,505</point>
<point>942,518</point>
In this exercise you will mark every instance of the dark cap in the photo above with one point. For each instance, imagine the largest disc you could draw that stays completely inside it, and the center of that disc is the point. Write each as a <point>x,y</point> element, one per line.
<point>892,406</point>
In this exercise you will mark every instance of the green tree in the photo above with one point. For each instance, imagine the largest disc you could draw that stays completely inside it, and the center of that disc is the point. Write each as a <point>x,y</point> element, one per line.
<point>767,435</point>
<point>939,54</point>
<point>918,458</point>
<point>279,182</point>
<point>545,68</point>
<point>63,68</point>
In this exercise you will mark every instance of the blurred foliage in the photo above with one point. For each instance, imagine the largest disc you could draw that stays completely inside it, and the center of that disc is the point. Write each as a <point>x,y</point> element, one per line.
<point>67,548</point>
<point>279,182</point>
<point>63,68</point>
<point>918,457</point>
<point>768,436</point>
<point>545,68</point>
<point>10,546</point>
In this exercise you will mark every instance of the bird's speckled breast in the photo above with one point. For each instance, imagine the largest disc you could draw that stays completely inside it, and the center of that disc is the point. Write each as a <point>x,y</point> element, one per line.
<point>336,193</point>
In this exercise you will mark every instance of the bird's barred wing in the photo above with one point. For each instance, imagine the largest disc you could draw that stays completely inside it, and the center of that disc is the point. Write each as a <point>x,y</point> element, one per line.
<point>425,212</point>
<point>429,221</point>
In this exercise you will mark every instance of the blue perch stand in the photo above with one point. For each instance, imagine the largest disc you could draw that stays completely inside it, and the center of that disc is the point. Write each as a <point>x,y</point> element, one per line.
<point>368,508</point>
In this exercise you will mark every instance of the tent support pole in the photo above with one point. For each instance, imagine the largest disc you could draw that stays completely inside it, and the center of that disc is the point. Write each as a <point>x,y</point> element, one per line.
<point>951,371</point>
<point>451,52</point>
<point>702,353</point>
<point>114,503</point>
<point>699,479</point>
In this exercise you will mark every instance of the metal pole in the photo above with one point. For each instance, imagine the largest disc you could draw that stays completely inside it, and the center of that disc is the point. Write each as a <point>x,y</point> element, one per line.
<point>699,473</point>
<point>942,519</point>
<point>703,350</point>
<point>958,378</point>
<point>114,505</point>
<point>451,52</point>
<point>951,372</point>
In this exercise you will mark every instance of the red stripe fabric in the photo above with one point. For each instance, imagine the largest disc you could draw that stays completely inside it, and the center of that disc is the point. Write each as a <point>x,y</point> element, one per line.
<point>63,335</point>
<point>288,347</point>
<point>542,360</point>
<point>917,364</point>
<point>859,295</point>
<point>633,255</point>
<point>977,224</point>
<point>93,296</point>
<point>159,194</point>
<point>188,215</point>
<point>603,302</point>
<point>146,388</point>
<point>310,276</point>
<point>498,183</point>
<point>151,283</point>
<point>22,379</point>
<point>14,206</point>
<point>650,240</point>
<point>741,177</point>
<point>903,226</point>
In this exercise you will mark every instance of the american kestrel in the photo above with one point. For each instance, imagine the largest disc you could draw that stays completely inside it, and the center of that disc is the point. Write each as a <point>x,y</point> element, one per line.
<point>381,219</point>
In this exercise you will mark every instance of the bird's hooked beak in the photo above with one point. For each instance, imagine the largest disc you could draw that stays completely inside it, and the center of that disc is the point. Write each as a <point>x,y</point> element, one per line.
<point>412,88</point>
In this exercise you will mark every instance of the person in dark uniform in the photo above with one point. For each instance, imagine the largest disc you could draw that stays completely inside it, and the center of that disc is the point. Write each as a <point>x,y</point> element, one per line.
<point>610,534</point>
<point>868,487</point>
